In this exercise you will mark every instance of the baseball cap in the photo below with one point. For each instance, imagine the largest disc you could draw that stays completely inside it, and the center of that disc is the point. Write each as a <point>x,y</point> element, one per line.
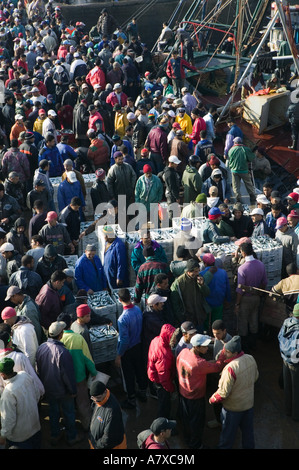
<point>257,211</point>
<point>214,213</point>
<point>18,116</point>
<point>237,140</point>
<point>155,298</point>
<point>8,312</point>
<point>12,290</point>
<point>171,113</point>
<point>261,198</point>
<point>51,112</point>
<point>293,214</point>
<point>174,159</point>
<point>6,247</point>
<point>69,272</point>
<point>243,240</point>
<point>161,424</point>
<point>41,111</point>
<point>71,175</point>
<point>56,328</point>
<point>188,327</point>
<point>144,151</point>
<point>51,216</point>
<point>281,221</point>
<point>116,86</point>
<point>147,169</point>
<point>200,340</point>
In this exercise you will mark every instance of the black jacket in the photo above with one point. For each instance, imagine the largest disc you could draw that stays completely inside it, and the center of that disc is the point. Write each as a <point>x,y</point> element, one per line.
<point>243,227</point>
<point>45,268</point>
<point>106,426</point>
<point>172,182</point>
<point>71,219</point>
<point>99,193</point>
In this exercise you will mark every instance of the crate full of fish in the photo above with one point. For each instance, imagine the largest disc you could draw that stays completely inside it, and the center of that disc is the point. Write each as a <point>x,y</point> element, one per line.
<point>71,260</point>
<point>104,343</point>
<point>103,304</point>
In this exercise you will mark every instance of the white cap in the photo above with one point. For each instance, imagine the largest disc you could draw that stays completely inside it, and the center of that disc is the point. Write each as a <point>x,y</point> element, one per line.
<point>257,211</point>
<point>51,112</point>
<point>76,54</point>
<point>6,247</point>
<point>71,175</point>
<point>261,198</point>
<point>155,298</point>
<point>117,85</point>
<point>200,340</point>
<point>216,171</point>
<point>131,116</point>
<point>296,190</point>
<point>18,116</point>
<point>171,113</point>
<point>34,89</point>
<point>170,96</point>
<point>184,89</point>
<point>97,85</point>
<point>174,159</point>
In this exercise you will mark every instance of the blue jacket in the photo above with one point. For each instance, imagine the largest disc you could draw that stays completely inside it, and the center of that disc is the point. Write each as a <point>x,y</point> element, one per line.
<point>219,288</point>
<point>52,155</point>
<point>89,276</point>
<point>66,151</point>
<point>115,148</point>
<point>115,263</point>
<point>288,340</point>
<point>129,328</point>
<point>66,191</point>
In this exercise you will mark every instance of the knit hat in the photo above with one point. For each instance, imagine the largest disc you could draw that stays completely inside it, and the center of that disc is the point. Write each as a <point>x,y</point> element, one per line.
<point>296,310</point>
<point>208,259</point>
<point>238,207</point>
<point>201,198</point>
<point>82,310</point>
<point>100,173</point>
<point>281,221</point>
<point>234,345</point>
<point>147,169</point>
<point>213,160</point>
<point>108,230</point>
<point>186,225</point>
<point>176,125</point>
<point>8,312</point>
<point>6,365</point>
<point>97,388</point>
<point>144,151</point>
<point>294,196</point>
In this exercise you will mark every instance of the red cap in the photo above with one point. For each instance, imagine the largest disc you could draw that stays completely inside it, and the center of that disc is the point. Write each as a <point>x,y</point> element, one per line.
<point>214,160</point>
<point>144,152</point>
<point>82,310</point>
<point>51,216</point>
<point>294,196</point>
<point>176,125</point>
<point>147,169</point>
<point>41,111</point>
<point>293,214</point>
<point>147,74</point>
<point>8,312</point>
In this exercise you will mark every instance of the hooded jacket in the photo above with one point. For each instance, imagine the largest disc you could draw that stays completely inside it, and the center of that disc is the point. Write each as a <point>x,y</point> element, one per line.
<point>148,194</point>
<point>29,281</point>
<point>66,191</point>
<point>115,263</point>
<point>161,362</point>
<point>52,155</point>
<point>24,337</point>
<point>18,240</point>
<point>49,303</point>
<point>192,184</point>
<point>45,267</point>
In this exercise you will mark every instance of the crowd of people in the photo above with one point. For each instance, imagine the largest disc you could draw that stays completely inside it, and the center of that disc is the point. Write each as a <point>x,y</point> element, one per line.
<point>78,102</point>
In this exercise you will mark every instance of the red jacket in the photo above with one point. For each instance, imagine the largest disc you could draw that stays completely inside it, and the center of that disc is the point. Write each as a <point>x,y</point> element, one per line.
<point>112,99</point>
<point>98,152</point>
<point>157,142</point>
<point>96,76</point>
<point>161,362</point>
<point>42,88</point>
<point>93,119</point>
<point>199,125</point>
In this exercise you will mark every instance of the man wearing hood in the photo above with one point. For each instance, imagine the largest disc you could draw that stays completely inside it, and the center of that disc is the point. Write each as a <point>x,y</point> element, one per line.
<point>49,263</point>
<point>191,179</point>
<point>242,224</point>
<point>218,179</point>
<point>213,200</point>
<point>17,236</point>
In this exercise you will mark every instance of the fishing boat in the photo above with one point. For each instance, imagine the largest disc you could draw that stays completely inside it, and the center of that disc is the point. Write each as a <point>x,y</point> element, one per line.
<point>262,34</point>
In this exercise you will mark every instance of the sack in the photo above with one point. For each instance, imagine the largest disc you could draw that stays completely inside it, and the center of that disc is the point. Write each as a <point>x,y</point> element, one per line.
<point>142,437</point>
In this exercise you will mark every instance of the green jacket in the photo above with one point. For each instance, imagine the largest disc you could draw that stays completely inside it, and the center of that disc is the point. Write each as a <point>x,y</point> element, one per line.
<point>238,158</point>
<point>188,299</point>
<point>192,183</point>
<point>81,356</point>
<point>148,194</point>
